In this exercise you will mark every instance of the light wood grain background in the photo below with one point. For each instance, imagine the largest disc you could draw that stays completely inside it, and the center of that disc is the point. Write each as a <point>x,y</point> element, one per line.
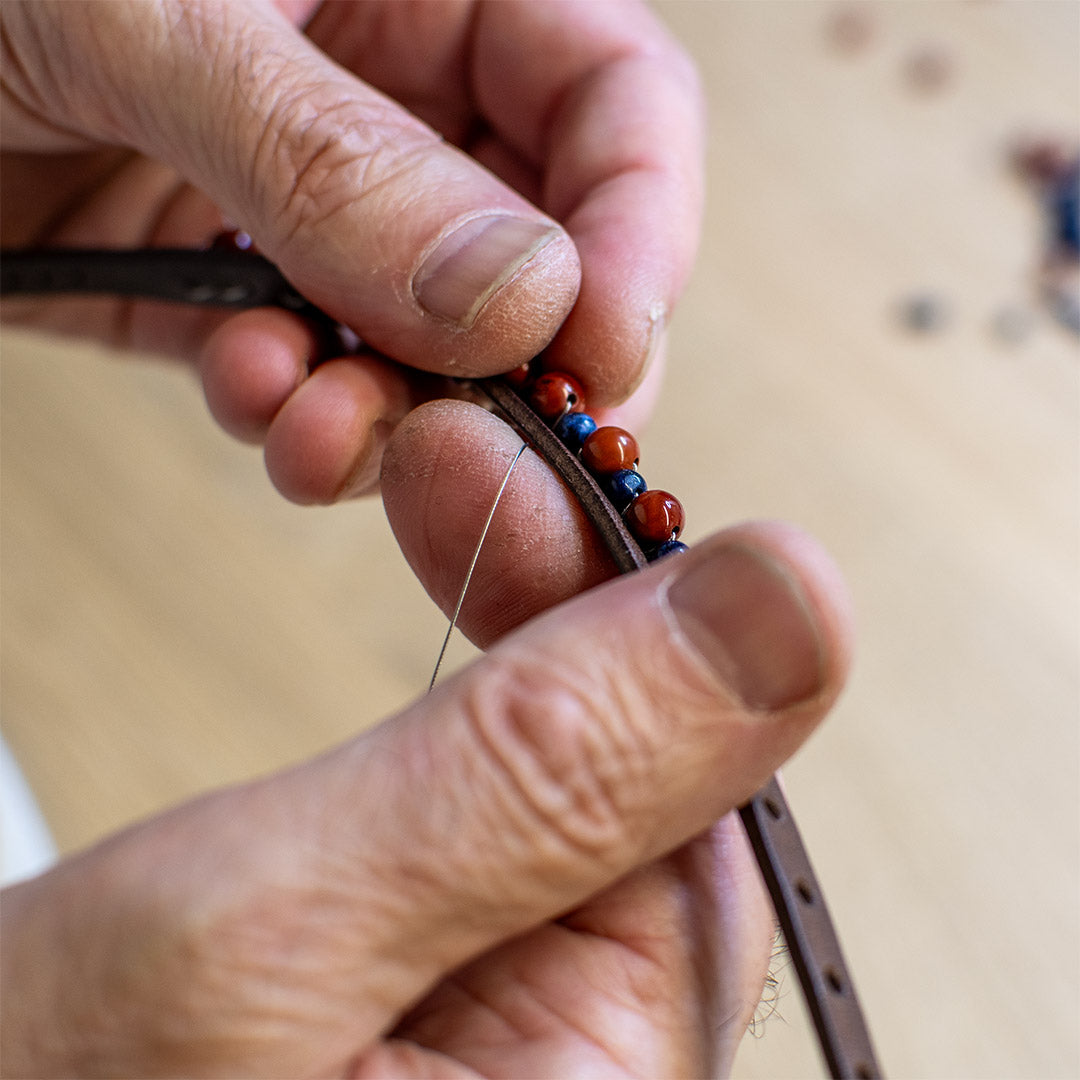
<point>170,624</point>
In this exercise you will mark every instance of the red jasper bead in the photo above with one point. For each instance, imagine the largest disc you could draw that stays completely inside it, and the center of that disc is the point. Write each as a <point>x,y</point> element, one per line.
<point>520,376</point>
<point>609,449</point>
<point>655,516</point>
<point>554,394</point>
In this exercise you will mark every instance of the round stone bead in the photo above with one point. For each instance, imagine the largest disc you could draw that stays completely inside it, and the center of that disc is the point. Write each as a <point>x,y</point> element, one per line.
<point>655,517</point>
<point>555,393</point>
<point>622,487</point>
<point>573,429</point>
<point>520,376</point>
<point>609,449</point>
<point>669,547</point>
<point>1065,205</point>
<point>233,240</point>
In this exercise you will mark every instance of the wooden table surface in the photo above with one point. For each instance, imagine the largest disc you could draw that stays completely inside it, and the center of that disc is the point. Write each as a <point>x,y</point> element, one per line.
<point>169,623</point>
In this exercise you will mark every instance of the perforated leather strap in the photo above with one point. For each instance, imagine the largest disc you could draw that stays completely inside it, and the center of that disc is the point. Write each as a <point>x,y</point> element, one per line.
<point>810,935</point>
<point>799,902</point>
<point>243,280</point>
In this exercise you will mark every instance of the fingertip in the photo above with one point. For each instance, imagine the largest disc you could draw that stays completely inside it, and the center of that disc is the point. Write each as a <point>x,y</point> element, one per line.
<point>757,606</point>
<point>441,267</point>
<point>626,177</point>
<point>441,471</point>
<point>527,311</point>
<point>821,583</point>
<point>249,367</point>
<point>634,412</point>
<point>479,313</point>
<point>619,323</point>
<point>326,442</point>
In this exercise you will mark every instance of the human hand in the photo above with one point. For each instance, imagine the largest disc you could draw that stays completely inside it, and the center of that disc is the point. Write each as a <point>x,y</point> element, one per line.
<point>519,875</point>
<point>126,124</point>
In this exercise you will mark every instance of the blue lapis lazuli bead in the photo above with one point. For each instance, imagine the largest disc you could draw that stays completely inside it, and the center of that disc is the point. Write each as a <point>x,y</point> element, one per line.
<point>573,429</point>
<point>1065,204</point>
<point>668,547</point>
<point>622,487</point>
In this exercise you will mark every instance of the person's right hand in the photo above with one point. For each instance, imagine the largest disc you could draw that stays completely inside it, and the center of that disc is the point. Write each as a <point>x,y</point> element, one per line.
<point>519,875</point>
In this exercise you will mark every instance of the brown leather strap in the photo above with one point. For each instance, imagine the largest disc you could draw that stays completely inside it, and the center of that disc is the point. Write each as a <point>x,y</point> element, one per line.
<point>241,280</point>
<point>608,521</point>
<point>808,929</point>
<point>811,938</point>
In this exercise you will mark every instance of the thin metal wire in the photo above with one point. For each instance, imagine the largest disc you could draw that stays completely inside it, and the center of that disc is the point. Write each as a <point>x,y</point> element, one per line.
<point>472,566</point>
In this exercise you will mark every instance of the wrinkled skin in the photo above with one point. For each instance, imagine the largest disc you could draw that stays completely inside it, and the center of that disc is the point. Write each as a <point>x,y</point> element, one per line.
<point>522,874</point>
<point>590,110</point>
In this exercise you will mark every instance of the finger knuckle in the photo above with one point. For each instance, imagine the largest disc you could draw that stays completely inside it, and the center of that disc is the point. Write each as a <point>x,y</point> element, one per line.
<point>326,151</point>
<point>571,754</point>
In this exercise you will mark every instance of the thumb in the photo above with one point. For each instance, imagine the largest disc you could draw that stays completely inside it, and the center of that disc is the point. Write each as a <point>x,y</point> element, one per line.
<point>588,743</point>
<point>430,258</point>
<point>281,927</point>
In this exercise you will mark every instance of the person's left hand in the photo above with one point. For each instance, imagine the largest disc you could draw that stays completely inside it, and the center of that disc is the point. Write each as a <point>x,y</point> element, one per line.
<point>462,184</point>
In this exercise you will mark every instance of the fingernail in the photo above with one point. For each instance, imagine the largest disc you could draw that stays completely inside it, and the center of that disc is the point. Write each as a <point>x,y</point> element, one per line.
<point>750,621</point>
<point>471,264</point>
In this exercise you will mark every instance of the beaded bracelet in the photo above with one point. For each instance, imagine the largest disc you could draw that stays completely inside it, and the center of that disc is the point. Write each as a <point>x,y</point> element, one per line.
<point>600,466</point>
<point>654,517</point>
<point>636,524</point>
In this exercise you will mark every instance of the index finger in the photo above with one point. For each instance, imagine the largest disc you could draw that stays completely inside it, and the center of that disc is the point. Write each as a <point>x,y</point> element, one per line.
<point>591,110</point>
<point>607,106</point>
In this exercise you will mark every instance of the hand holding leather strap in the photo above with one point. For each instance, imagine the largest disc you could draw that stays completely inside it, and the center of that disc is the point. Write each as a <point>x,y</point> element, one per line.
<point>242,280</point>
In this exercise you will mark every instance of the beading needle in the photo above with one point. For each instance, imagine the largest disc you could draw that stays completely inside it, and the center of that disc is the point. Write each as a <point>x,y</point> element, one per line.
<point>472,566</point>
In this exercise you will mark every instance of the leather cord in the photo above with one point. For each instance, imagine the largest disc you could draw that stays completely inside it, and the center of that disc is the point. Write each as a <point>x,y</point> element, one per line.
<point>608,521</point>
<point>243,280</point>
<point>229,279</point>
